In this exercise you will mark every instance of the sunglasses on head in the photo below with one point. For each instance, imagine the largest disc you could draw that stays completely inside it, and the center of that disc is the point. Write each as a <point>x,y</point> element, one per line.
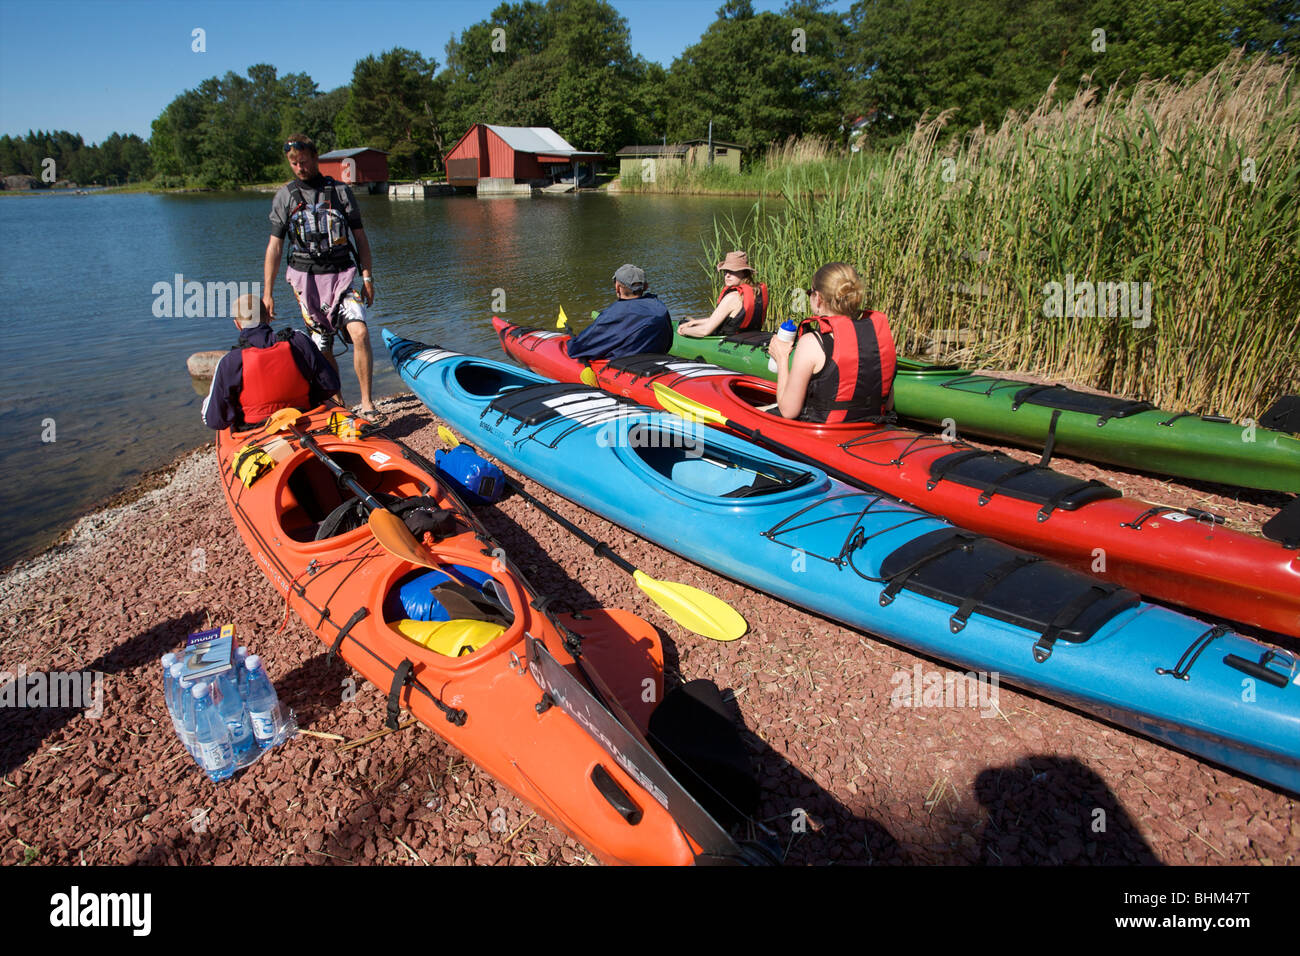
<point>292,146</point>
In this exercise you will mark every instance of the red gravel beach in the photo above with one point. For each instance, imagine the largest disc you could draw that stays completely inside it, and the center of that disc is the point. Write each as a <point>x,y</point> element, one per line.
<point>847,776</point>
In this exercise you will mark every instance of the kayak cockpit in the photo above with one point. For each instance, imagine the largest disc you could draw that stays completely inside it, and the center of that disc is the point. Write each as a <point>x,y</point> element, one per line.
<point>453,610</point>
<point>759,396</point>
<point>311,505</point>
<point>703,469</point>
<point>484,380</point>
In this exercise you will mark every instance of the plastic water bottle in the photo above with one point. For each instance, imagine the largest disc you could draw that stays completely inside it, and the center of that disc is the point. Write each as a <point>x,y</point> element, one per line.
<point>215,753</point>
<point>786,334</point>
<point>235,714</point>
<point>263,704</point>
<point>241,655</point>
<point>169,690</point>
<point>184,706</point>
<point>239,674</point>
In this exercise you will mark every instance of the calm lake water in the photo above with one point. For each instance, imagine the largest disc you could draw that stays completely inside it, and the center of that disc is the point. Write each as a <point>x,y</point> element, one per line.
<point>95,390</point>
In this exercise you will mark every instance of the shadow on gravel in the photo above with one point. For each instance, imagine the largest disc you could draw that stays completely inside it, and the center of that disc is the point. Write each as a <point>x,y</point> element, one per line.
<point>406,416</point>
<point>1053,811</point>
<point>22,729</point>
<point>812,826</point>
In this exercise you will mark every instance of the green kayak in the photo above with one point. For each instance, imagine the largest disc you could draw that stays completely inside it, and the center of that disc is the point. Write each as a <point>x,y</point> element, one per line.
<point>1101,428</point>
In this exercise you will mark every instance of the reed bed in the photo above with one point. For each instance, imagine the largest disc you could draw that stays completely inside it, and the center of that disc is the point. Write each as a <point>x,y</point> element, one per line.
<point>1189,186</point>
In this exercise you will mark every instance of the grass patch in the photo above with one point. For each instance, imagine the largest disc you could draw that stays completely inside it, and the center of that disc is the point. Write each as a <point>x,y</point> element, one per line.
<point>809,165</point>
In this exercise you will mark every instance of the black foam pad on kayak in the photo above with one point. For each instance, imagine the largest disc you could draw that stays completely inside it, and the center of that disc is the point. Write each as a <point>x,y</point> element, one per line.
<point>982,576</point>
<point>1283,415</point>
<point>995,473</point>
<point>757,340</point>
<point>645,366</point>
<point>1285,525</point>
<point>695,737</point>
<point>1105,407</point>
<point>534,404</point>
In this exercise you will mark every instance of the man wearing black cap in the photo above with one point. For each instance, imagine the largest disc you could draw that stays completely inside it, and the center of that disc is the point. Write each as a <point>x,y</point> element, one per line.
<point>638,322</point>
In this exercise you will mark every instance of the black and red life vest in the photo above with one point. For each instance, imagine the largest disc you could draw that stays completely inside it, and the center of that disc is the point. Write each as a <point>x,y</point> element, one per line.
<point>752,313</point>
<point>272,380</point>
<point>320,239</point>
<point>858,374</point>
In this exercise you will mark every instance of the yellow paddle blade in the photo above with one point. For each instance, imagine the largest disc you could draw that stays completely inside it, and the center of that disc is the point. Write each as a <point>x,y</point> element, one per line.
<point>563,320</point>
<point>693,609</point>
<point>448,436</point>
<point>588,377</point>
<point>396,538</point>
<point>679,404</point>
<point>281,420</point>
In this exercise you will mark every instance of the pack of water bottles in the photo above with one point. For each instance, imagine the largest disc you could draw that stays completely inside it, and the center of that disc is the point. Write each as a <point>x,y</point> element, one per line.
<point>222,704</point>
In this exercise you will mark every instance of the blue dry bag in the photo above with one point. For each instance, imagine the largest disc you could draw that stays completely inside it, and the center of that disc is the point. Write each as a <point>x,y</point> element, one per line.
<point>473,477</point>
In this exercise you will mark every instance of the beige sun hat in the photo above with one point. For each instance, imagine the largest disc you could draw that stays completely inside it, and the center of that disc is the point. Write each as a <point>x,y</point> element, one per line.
<point>735,262</point>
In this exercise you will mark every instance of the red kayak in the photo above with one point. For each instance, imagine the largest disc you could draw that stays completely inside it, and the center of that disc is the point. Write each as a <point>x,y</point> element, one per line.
<point>1184,558</point>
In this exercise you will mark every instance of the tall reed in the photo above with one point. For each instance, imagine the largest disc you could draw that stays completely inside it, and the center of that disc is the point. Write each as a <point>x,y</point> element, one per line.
<point>1192,186</point>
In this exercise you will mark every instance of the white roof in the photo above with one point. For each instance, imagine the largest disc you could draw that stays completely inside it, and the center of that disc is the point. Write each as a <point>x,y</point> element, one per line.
<point>533,139</point>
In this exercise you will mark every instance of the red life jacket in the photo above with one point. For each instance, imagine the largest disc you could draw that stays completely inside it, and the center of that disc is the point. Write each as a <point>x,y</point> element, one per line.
<point>858,375</point>
<point>272,381</point>
<point>752,313</point>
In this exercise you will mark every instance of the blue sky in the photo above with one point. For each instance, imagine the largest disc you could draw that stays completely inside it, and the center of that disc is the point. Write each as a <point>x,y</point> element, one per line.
<point>100,66</point>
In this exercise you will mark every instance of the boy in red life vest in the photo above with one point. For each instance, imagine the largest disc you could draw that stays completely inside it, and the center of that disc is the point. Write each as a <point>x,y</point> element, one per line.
<point>742,306</point>
<point>265,372</point>
<point>844,357</point>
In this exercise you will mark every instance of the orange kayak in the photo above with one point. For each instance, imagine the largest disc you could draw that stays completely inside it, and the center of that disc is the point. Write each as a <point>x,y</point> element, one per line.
<point>490,673</point>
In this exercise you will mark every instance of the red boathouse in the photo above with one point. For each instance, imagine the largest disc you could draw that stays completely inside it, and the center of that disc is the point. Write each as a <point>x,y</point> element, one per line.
<point>515,154</point>
<point>356,167</point>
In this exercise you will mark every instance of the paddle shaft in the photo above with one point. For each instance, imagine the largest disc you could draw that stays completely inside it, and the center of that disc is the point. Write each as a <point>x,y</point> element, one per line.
<point>693,609</point>
<point>753,434</point>
<point>371,502</point>
<point>600,547</point>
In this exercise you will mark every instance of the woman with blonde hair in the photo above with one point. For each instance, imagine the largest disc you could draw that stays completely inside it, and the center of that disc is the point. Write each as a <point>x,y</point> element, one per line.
<point>844,356</point>
<point>742,304</point>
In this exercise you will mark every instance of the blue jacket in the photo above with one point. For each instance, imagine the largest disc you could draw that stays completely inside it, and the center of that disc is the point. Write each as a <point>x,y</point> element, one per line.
<point>221,409</point>
<point>628,327</point>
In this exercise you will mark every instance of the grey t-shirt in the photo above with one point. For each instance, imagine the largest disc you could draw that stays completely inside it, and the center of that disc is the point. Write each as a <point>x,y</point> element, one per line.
<point>313,192</point>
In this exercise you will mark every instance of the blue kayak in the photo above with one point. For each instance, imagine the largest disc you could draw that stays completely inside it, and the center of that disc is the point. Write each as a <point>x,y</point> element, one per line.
<point>876,564</point>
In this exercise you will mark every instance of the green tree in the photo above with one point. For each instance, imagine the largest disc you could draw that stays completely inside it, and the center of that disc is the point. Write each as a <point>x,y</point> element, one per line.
<point>983,57</point>
<point>567,64</point>
<point>395,104</point>
<point>479,60</point>
<point>761,77</point>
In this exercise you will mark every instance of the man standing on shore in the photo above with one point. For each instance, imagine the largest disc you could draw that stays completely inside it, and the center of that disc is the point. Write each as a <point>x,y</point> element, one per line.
<point>326,246</point>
